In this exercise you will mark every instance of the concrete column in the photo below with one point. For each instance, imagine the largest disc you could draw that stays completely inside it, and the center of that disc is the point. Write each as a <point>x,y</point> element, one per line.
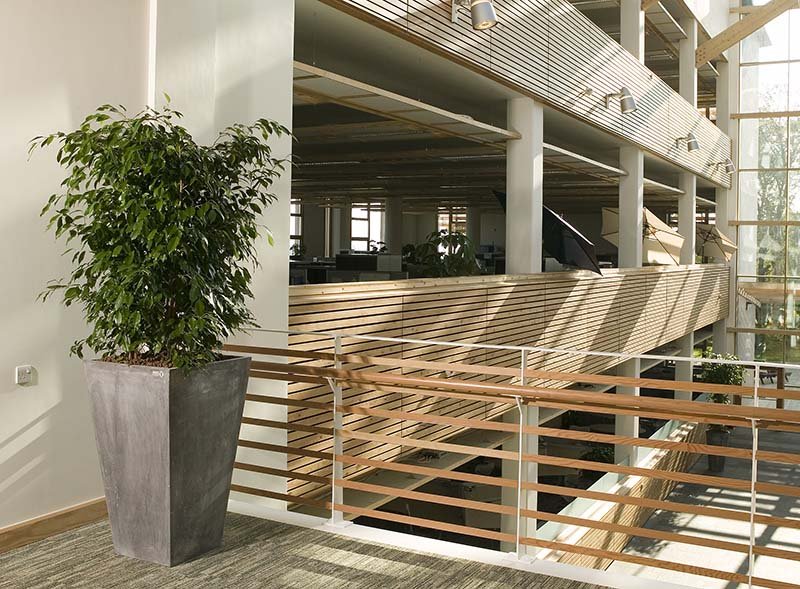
<point>524,171</point>
<point>474,225</point>
<point>687,216</point>
<point>218,83</point>
<point>530,473</point>
<point>427,223</point>
<point>687,204</point>
<point>345,226</point>
<point>314,230</point>
<point>393,234</point>
<point>727,90</point>
<point>683,370</point>
<point>631,21</point>
<point>631,205</point>
<point>627,425</point>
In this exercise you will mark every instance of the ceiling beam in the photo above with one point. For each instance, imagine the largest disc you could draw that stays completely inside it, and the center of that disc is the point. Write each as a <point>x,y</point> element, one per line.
<point>741,29</point>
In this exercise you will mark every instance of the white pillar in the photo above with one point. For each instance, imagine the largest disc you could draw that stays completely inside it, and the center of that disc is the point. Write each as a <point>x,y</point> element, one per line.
<point>345,225</point>
<point>427,223</point>
<point>474,225</point>
<point>687,204</point>
<point>727,91</point>
<point>394,225</point>
<point>631,205</point>
<point>631,21</point>
<point>687,216</point>
<point>683,370</point>
<point>208,68</point>
<point>530,473</point>
<point>524,171</point>
<point>627,425</point>
<point>314,230</point>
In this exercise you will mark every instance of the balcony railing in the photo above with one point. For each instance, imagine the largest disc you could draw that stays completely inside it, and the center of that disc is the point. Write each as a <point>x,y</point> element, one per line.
<point>366,435</point>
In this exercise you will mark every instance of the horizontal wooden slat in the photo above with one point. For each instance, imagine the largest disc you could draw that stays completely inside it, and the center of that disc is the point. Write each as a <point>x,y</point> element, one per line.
<point>682,477</point>
<point>569,520</point>
<point>716,512</point>
<point>559,546</point>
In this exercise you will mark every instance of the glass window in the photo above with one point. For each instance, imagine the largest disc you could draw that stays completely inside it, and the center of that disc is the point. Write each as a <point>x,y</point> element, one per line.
<point>793,308</point>
<point>794,142</point>
<point>765,88</point>
<point>794,86</point>
<point>793,251</point>
<point>296,227</point>
<point>768,262</point>
<point>762,196</point>
<point>769,348</point>
<point>770,43</point>
<point>771,251</point>
<point>794,31</point>
<point>366,227</point>
<point>794,197</point>
<point>763,143</point>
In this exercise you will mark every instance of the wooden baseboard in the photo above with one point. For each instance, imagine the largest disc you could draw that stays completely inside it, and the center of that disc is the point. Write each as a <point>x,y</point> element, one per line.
<point>51,524</point>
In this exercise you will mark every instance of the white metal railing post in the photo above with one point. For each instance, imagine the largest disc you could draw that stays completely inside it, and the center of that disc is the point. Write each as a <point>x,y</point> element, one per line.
<point>337,470</point>
<point>520,434</point>
<point>521,493</point>
<point>753,479</point>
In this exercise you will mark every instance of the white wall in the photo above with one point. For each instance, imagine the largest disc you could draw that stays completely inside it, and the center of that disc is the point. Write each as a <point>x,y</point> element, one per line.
<point>418,226</point>
<point>222,61</point>
<point>58,61</point>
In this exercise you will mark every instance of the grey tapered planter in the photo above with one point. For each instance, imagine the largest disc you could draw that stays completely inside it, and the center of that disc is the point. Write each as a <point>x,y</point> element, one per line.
<point>167,442</point>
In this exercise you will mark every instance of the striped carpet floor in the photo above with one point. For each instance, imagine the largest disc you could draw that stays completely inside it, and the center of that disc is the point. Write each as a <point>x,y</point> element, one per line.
<point>256,553</point>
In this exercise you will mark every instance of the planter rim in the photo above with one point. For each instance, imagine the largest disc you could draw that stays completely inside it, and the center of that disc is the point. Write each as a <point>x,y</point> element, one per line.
<point>223,359</point>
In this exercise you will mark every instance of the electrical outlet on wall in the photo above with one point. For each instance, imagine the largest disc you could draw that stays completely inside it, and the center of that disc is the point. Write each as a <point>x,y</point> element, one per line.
<point>23,375</point>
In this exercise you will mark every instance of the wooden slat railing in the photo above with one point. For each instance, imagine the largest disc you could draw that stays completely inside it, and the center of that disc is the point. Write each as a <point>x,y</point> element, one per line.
<point>623,311</point>
<point>367,435</point>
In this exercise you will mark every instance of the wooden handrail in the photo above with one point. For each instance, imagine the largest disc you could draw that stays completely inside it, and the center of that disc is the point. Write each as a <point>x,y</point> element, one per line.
<point>533,393</point>
<point>455,367</point>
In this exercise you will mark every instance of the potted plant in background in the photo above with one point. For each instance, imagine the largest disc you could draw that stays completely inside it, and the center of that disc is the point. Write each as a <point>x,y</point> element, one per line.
<point>728,374</point>
<point>161,232</point>
<point>443,254</point>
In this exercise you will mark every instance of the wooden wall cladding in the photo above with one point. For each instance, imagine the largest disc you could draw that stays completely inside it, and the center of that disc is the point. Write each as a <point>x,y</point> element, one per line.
<point>549,50</point>
<point>630,311</point>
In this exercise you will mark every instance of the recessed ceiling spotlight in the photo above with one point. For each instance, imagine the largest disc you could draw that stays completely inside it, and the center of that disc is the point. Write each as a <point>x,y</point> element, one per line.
<point>692,144</point>
<point>481,11</point>
<point>627,103</point>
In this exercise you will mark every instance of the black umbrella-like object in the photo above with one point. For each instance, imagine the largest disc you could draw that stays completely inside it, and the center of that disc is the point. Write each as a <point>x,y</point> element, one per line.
<point>562,241</point>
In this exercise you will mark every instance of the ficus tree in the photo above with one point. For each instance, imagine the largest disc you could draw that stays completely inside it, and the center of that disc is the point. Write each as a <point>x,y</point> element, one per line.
<point>443,254</point>
<point>161,231</point>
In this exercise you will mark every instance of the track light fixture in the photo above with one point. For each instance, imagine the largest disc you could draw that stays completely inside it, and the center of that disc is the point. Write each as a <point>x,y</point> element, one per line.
<point>727,165</point>
<point>626,101</point>
<point>692,144</point>
<point>481,11</point>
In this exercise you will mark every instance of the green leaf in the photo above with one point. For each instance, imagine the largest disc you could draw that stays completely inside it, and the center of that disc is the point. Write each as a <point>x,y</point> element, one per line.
<point>138,187</point>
